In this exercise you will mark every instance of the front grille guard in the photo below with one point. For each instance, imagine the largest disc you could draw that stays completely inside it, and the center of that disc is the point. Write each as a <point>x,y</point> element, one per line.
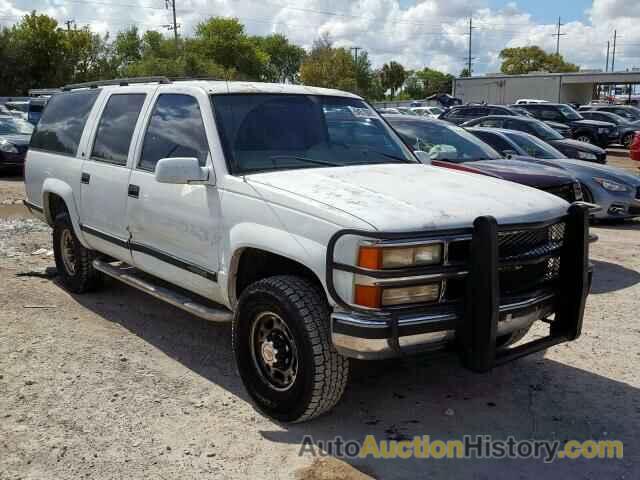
<point>477,326</point>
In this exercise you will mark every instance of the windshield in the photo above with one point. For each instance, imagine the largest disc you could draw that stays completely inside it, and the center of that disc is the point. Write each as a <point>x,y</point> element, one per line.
<point>569,113</point>
<point>263,132</point>
<point>444,142</point>
<point>436,111</point>
<point>15,126</point>
<point>534,147</point>
<point>545,132</point>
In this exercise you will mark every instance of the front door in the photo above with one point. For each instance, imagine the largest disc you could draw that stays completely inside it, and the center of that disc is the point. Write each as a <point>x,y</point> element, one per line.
<point>105,174</point>
<point>175,229</point>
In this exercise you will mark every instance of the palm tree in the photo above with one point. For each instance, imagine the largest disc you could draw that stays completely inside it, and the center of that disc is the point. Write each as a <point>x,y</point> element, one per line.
<point>393,77</point>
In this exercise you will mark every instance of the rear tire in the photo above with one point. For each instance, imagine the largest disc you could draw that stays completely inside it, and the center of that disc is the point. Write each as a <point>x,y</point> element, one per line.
<point>282,345</point>
<point>73,261</point>
<point>627,140</point>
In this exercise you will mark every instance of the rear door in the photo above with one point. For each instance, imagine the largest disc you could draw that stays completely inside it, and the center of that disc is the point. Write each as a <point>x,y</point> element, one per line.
<point>106,170</point>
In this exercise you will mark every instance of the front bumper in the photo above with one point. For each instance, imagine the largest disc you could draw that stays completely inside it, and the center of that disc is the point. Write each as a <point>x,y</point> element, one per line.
<point>357,336</point>
<point>475,325</point>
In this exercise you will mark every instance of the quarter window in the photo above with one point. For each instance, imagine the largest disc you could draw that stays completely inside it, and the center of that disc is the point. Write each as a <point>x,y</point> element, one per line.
<point>176,129</point>
<point>63,120</point>
<point>116,127</point>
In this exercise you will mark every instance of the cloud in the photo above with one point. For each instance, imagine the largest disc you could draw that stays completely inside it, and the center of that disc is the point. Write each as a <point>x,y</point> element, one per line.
<point>431,33</point>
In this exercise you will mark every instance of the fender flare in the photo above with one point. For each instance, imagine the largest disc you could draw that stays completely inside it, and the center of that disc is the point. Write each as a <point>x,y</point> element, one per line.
<point>302,250</point>
<point>64,191</point>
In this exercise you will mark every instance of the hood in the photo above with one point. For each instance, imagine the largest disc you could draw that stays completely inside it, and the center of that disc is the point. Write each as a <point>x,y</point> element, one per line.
<point>592,123</point>
<point>526,173</point>
<point>17,139</point>
<point>407,197</point>
<point>558,126</point>
<point>604,171</point>
<point>576,145</point>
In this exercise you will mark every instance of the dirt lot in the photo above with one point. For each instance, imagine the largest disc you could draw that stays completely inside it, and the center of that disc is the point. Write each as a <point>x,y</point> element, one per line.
<point>118,385</point>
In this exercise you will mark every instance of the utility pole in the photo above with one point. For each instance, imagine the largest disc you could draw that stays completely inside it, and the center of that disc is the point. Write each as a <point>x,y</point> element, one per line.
<point>608,48</point>
<point>172,3</point>
<point>469,60</point>
<point>355,60</point>
<point>558,35</point>
<point>613,60</point>
<point>355,50</point>
<point>69,23</point>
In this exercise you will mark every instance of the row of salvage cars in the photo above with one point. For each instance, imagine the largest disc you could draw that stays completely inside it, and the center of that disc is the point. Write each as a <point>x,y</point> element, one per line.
<point>528,151</point>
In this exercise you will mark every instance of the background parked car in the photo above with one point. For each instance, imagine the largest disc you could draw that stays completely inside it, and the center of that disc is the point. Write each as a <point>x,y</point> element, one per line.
<point>433,112</point>
<point>15,135</point>
<point>635,148</point>
<point>453,147</point>
<point>589,131</point>
<point>36,105</point>
<point>529,101</point>
<point>630,113</point>
<point>616,191</point>
<point>626,128</point>
<point>571,148</point>
<point>18,109</point>
<point>470,112</point>
<point>389,111</point>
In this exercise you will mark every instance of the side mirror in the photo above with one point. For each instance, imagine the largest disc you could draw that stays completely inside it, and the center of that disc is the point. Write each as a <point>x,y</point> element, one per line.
<point>180,171</point>
<point>423,157</point>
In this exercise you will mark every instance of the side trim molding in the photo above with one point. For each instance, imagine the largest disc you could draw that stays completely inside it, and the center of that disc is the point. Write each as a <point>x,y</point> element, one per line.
<point>153,252</point>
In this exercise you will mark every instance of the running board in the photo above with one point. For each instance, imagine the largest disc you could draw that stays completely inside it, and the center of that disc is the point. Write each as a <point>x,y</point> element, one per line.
<point>132,277</point>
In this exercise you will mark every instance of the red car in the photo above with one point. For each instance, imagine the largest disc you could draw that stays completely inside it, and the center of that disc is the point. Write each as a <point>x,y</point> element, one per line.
<point>635,148</point>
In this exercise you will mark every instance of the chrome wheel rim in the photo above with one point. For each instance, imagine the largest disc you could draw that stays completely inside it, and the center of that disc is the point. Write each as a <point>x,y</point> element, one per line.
<point>584,139</point>
<point>274,351</point>
<point>67,252</point>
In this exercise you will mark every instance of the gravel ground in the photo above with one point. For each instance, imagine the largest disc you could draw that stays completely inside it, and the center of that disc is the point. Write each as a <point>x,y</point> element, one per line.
<point>116,384</point>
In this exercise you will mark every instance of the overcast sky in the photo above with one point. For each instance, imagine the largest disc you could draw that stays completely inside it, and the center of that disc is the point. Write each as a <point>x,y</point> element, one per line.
<point>417,33</point>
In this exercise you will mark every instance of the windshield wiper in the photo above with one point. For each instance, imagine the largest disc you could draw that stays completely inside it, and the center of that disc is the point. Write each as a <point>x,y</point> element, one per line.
<point>393,157</point>
<point>303,159</point>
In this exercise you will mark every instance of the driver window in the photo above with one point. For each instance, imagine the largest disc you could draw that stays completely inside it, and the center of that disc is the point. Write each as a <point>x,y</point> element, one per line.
<point>176,129</point>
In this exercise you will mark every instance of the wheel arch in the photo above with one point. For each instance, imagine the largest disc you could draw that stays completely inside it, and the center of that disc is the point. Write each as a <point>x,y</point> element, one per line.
<point>57,196</point>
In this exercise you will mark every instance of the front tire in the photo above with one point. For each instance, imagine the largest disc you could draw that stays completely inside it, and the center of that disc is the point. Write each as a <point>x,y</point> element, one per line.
<point>583,137</point>
<point>282,345</point>
<point>73,262</point>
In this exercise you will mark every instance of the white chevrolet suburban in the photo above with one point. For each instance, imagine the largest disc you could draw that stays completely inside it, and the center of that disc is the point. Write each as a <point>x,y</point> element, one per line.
<point>298,214</point>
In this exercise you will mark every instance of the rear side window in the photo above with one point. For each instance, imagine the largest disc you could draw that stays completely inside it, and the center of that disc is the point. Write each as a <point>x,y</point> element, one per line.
<point>176,129</point>
<point>116,127</point>
<point>63,121</point>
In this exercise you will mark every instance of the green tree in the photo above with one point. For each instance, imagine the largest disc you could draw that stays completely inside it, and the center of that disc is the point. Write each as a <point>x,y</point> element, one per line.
<point>522,60</point>
<point>284,60</point>
<point>38,43</point>
<point>393,77</point>
<point>465,72</point>
<point>329,67</point>
<point>127,46</point>
<point>224,41</point>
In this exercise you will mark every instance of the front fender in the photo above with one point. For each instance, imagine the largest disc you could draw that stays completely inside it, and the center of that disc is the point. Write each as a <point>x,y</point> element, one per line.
<point>53,186</point>
<point>302,250</point>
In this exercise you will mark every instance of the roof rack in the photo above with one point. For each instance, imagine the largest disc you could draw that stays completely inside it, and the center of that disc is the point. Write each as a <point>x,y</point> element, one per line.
<point>122,82</point>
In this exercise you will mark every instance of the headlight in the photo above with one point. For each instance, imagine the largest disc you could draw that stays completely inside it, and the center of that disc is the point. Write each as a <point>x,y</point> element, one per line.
<point>611,185</point>
<point>408,295</point>
<point>377,258</point>
<point>7,147</point>
<point>586,156</point>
